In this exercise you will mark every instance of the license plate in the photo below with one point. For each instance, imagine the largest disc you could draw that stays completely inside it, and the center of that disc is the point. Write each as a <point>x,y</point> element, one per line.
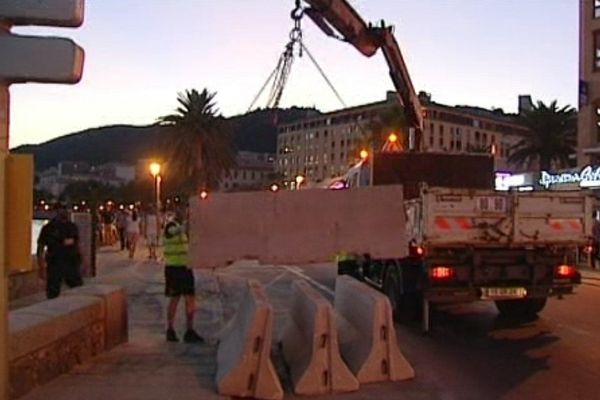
<point>495,293</point>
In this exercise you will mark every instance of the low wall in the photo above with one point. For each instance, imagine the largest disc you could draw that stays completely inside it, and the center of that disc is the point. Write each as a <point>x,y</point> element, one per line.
<point>49,338</point>
<point>25,284</point>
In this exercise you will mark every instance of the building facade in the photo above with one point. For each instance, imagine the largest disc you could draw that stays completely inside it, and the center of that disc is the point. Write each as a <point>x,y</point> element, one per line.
<point>588,123</point>
<point>324,147</point>
<point>253,171</point>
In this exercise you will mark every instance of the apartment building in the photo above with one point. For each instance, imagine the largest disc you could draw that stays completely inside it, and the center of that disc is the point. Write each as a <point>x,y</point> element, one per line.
<point>253,171</point>
<point>588,122</point>
<point>325,146</point>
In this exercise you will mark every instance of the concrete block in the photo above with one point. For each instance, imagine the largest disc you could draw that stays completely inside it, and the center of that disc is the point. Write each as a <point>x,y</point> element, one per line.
<point>114,300</point>
<point>370,348</point>
<point>244,366</point>
<point>37,326</point>
<point>278,228</point>
<point>310,345</point>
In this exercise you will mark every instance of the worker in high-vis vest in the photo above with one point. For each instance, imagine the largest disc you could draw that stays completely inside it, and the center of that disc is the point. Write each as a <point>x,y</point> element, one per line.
<point>179,281</point>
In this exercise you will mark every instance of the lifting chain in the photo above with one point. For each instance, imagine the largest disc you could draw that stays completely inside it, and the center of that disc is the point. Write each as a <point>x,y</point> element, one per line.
<point>296,33</point>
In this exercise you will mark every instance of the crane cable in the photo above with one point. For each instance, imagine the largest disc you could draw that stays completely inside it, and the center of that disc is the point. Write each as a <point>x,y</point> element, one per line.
<point>282,70</point>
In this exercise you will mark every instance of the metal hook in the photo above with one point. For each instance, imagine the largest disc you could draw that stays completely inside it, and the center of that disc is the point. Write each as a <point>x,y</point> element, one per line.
<point>298,12</point>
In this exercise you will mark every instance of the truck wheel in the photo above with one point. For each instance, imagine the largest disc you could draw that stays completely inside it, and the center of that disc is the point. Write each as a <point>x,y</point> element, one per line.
<point>520,309</point>
<point>405,306</point>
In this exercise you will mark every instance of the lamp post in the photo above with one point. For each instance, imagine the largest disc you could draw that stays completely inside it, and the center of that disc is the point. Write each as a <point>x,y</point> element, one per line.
<point>155,172</point>
<point>299,180</point>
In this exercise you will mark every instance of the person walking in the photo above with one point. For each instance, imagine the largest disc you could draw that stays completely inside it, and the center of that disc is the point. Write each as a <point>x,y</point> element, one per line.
<point>133,232</point>
<point>58,253</point>
<point>121,227</point>
<point>179,280</point>
<point>151,229</point>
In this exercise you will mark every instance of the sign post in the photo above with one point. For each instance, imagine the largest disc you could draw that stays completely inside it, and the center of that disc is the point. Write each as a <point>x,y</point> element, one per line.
<point>29,59</point>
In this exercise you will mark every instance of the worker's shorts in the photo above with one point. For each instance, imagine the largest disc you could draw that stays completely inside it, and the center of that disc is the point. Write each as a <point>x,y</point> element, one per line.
<point>179,281</point>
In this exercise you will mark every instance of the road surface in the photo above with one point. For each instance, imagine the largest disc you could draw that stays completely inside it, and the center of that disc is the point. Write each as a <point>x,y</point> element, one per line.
<point>469,354</point>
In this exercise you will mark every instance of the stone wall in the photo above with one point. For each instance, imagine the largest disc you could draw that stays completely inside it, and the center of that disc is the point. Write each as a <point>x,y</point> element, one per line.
<point>49,338</point>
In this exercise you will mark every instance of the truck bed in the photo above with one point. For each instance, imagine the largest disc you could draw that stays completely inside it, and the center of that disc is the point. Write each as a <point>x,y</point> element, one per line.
<point>446,217</point>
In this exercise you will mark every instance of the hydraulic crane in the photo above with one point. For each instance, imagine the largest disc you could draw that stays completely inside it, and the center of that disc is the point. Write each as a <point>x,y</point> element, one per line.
<point>338,15</point>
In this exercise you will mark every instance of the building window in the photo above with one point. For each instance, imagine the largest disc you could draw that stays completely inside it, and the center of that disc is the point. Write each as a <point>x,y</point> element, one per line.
<point>596,50</point>
<point>596,8</point>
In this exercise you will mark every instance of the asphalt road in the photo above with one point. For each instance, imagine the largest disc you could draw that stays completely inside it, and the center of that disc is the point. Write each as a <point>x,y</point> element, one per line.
<point>471,353</point>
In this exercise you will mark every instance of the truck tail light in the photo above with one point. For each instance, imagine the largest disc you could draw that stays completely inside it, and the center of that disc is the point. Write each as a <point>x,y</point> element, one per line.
<point>442,273</point>
<point>565,271</point>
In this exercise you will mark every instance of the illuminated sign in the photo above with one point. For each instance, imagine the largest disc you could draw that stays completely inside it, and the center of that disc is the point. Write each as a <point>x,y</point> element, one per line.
<point>506,180</point>
<point>589,176</point>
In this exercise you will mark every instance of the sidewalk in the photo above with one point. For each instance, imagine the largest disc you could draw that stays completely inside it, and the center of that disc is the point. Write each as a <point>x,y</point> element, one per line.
<point>147,367</point>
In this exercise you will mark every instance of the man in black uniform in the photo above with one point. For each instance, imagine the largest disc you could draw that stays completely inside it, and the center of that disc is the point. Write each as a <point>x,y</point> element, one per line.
<point>58,253</point>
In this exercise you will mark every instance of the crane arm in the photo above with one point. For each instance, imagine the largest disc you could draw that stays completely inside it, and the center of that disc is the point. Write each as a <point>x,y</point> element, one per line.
<point>341,16</point>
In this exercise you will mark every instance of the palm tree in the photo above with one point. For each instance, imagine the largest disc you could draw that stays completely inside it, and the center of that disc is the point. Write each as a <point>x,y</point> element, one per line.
<point>200,143</point>
<point>551,136</point>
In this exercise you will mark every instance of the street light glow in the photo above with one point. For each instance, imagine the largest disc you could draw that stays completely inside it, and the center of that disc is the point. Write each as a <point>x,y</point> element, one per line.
<point>274,187</point>
<point>364,154</point>
<point>393,138</point>
<point>203,194</point>
<point>154,169</point>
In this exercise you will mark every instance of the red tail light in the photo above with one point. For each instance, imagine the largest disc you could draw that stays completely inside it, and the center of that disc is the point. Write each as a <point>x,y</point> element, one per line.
<point>565,271</point>
<point>442,273</point>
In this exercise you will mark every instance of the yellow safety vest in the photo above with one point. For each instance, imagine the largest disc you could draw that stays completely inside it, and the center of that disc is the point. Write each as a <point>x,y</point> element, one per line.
<point>176,250</point>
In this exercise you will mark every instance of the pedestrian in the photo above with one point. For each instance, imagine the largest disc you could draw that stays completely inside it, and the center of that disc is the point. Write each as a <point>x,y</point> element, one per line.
<point>595,256</point>
<point>107,226</point>
<point>151,229</point>
<point>133,232</point>
<point>179,280</point>
<point>58,253</point>
<point>121,226</point>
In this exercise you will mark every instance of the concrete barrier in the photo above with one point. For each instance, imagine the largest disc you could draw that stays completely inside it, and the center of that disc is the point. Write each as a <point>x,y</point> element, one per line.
<point>370,349</point>
<point>244,367</point>
<point>279,228</point>
<point>310,345</point>
<point>114,299</point>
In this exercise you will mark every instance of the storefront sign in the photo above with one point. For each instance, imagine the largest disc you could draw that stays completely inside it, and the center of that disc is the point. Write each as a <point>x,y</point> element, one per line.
<point>505,181</point>
<point>589,176</point>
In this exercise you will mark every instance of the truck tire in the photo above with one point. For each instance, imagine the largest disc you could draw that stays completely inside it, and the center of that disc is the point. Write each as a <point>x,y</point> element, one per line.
<point>405,306</point>
<point>521,308</point>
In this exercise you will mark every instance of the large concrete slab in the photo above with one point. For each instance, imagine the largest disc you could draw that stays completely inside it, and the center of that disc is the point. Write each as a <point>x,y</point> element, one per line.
<point>244,367</point>
<point>370,348</point>
<point>296,227</point>
<point>310,345</point>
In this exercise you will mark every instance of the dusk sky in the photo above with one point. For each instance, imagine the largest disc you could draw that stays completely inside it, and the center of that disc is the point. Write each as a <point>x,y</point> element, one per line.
<point>141,53</point>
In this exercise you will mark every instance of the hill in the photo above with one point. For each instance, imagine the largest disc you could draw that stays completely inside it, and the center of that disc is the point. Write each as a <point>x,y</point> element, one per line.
<point>254,131</point>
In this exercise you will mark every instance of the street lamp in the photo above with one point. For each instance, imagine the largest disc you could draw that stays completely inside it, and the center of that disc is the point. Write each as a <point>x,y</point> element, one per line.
<point>299,180</point>
<point>155,172</point>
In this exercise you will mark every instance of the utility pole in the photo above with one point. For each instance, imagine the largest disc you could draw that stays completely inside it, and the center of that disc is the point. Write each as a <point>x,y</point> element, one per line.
<point>4,116</point>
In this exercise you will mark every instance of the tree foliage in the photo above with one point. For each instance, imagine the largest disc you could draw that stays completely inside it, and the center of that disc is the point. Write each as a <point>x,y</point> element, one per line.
<point>551,136</point>
<point>200,146</point>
